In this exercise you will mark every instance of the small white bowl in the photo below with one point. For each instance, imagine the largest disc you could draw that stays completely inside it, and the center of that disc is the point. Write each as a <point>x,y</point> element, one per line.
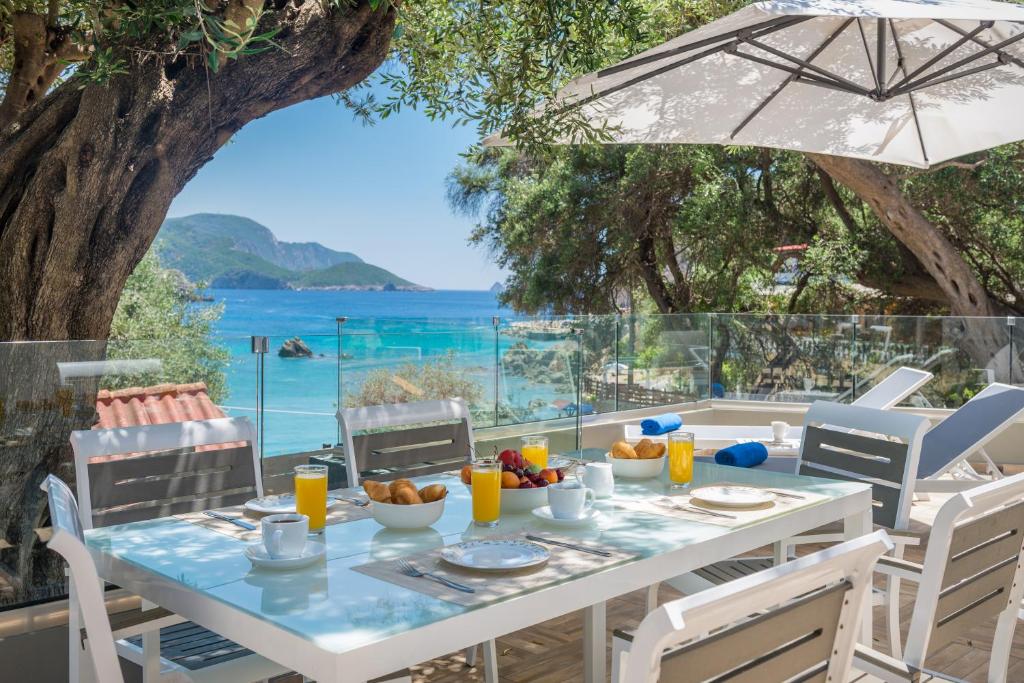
<point>514,501</point>
<point>407,516</point>
<point>640,468</point>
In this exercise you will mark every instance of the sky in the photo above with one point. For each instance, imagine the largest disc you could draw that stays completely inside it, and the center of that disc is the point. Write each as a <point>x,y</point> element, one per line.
<point>311,173</point>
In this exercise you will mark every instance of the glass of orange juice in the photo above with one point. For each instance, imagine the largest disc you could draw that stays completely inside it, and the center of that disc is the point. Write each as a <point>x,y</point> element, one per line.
<point>680,459</point>
<point>535,449</point>
<point>311,494</point>
<point>486,484</point>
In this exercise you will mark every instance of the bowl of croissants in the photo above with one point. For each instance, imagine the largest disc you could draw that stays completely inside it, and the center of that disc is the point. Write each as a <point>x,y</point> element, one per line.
<point>400,505</point>
<point>644,460</point>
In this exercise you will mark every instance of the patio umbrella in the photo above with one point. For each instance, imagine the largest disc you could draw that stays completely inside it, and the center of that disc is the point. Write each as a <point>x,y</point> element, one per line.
<point>911,83</point>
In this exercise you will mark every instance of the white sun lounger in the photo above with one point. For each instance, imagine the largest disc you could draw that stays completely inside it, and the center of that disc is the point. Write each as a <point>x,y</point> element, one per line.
<point>947,445</point>
<point>889,392</point>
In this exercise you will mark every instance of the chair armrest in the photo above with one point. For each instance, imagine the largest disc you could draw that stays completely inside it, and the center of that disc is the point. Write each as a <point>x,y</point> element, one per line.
<point>899,568</point>
<point>883,667</point>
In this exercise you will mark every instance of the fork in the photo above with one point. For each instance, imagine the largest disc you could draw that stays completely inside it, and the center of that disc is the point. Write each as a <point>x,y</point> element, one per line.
<point>694,508</point>
<point>355,501</point>
<point>409,569</point>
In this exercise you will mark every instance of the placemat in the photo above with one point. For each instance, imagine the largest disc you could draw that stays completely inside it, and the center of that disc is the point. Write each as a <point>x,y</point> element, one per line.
<point>677,506</point>
<point>563,564</point>
<point>338,514</point>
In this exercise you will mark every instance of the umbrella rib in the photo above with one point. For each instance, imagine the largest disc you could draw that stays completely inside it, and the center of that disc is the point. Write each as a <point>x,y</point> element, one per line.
<point>880,60</point>
<point>762,28</point>
<point>789,79</point>
<point>829,80</point>
<point>801,62</point>
<point>941,54</point>
<point>867,53</point>
<point>935,77</point>
<point>972,37</point>
<point>910,96</point>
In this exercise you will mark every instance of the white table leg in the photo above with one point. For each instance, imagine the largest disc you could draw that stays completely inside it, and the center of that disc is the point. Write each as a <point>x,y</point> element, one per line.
<point>150,651</point>
<point>594,644</point>
<point>854,526</point>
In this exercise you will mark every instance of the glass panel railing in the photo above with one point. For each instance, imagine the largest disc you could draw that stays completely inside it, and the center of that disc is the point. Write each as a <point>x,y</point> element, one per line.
<point>781,357</point>
<point>538,370</point>
<point>663,360</point>
<point>603,371</point>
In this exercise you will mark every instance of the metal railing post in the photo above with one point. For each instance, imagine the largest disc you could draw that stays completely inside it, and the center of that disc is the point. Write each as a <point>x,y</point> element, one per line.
<point>496,322</point>
<point>340,322</point>
<point>260,345</point>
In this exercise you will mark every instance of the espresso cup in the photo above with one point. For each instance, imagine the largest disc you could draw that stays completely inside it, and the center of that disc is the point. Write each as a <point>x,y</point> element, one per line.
<point>780,430</point>
<point>569,500</point>
<point>284,536</point>
<point>598,477</point>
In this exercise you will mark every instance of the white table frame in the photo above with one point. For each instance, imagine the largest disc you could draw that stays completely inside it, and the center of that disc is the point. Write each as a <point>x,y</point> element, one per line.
<point>588,593</point>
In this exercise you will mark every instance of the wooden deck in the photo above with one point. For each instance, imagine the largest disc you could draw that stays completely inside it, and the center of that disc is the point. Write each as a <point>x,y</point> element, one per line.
<point>551,651</point>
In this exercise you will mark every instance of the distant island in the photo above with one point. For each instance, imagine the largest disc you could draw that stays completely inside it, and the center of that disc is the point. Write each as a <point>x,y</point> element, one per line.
<point>234,252</point>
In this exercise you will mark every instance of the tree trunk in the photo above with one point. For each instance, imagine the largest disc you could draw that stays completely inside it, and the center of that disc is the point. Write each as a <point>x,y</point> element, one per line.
<point>985,340</point>
<point>86,177</point>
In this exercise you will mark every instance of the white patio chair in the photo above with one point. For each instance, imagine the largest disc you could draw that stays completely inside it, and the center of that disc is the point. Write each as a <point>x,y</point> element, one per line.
<point>418,438</point>
<point>794,622</point>
<point>964,433</point>
<point>430,436</point>
<point>137,473</point>
<point>850,443</point>
<point>972,574</point>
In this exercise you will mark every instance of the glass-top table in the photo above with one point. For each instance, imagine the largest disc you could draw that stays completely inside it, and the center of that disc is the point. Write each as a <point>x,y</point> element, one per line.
<point>332,623</point>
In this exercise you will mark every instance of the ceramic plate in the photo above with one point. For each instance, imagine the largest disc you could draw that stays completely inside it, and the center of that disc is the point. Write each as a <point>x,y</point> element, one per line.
<point>490,556</point>
<point>257,554</point>
<point>733,496</point>
<point>276,505</point>
<point>588,517</point>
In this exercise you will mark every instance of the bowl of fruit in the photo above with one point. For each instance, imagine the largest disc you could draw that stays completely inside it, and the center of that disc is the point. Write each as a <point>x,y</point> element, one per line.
<point>645,460</point>
<point>523,484</point>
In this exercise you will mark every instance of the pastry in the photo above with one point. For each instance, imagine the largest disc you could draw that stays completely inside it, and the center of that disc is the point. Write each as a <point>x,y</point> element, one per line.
<point>377,491</point>
<point>434,492</point>
<point>647,449</point>
<point>621,449</point>
<point>403,492</point>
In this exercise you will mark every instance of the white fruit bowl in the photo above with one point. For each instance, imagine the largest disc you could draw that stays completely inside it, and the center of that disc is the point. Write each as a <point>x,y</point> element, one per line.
<point>641,468</point>
<point>407,516</point>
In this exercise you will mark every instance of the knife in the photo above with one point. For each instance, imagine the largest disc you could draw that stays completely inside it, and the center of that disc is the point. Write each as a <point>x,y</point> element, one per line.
<point>225,518</point>
<point>581,548</point>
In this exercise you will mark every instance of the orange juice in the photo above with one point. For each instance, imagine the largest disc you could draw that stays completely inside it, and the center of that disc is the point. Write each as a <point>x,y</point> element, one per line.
<point>680,458</point>
<point>486,484</point>
<point>535,449</point>
<point>311,494</point>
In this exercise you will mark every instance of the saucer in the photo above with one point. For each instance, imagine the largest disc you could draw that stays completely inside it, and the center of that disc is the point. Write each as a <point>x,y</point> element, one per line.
<point>545,514</point>
<point>257,554</point>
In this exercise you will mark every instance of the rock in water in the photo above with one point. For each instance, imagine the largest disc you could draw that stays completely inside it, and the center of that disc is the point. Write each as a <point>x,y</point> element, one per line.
<point>294,348</point>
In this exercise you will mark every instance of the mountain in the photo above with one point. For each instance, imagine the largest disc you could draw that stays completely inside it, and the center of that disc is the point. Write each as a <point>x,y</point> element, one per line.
<point>234,252</point>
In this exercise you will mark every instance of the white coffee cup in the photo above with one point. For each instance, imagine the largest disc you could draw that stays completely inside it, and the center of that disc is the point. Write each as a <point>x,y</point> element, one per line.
<point>780,430</point>
<point>284,536</point>
<point>569,500</point>
<point>598,477</point>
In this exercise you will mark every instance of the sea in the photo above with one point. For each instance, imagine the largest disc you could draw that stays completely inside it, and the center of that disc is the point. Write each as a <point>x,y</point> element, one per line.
<point>383,331</point>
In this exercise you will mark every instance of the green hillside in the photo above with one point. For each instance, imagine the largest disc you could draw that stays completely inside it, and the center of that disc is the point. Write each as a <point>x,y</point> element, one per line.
<point>351,275</point>
<point>238,253</point>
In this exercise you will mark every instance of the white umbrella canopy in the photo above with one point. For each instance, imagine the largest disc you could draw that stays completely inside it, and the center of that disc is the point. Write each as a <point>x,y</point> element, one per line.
<point>912,83</point>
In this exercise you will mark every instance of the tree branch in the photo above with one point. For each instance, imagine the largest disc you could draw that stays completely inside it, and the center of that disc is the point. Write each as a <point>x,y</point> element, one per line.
<point>952,163</point>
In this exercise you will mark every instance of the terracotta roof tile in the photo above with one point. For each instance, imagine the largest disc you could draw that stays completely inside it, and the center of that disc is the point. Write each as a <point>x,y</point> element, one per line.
<point>159,404</point>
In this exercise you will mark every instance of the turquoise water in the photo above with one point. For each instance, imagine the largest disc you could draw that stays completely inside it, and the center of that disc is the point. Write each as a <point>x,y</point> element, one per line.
<point>385,330</point>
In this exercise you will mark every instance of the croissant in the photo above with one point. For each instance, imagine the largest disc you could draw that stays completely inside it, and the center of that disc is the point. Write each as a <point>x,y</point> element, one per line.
<point>647,449</point>
<point>377,491</point>
<point>432,493</point>
<point>406,495</point>
<point>621,449</point>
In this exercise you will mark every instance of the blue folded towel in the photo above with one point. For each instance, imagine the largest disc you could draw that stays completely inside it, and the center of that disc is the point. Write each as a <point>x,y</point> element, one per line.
<point>749,454</point>
<point>661,424</point>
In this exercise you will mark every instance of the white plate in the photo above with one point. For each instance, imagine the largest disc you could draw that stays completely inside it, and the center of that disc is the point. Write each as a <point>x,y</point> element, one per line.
<point>545,514</point>
<point>277,505</point>
<point>733,496</point>
<point>495,555</point>
<point>257,554</point>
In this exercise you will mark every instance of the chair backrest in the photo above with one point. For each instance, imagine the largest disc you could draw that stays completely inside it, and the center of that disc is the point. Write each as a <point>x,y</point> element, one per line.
<point>893,389</point>
<point>879,447</point>
<point>128,474</point>
<point>795,621</point>
<point>68,540</point>
<point>432,447</point>
<point>972,568</point>
<point>970,427</point>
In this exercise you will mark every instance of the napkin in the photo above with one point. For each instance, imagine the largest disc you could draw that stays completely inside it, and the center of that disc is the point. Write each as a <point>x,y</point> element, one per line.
<point>661,424</point>
<point>742,455</point>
